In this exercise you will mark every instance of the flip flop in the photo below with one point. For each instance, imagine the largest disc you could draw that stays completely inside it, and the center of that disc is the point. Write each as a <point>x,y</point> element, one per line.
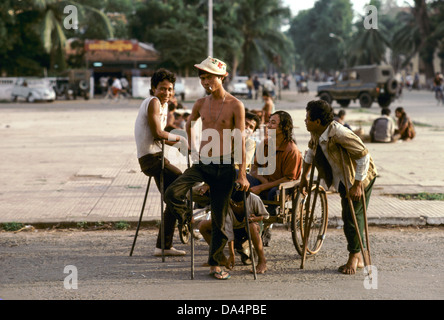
<point>220,273</point>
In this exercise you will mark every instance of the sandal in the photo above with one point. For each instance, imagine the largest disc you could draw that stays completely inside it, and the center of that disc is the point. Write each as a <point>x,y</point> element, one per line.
<point>221,275</point>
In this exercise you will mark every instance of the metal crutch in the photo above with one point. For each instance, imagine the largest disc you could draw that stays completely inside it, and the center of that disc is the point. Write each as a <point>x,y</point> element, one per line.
<point>309,216</point>
<point>140,217</point>
<point>191,223</point>
<point>365,253</point>
<point>162,196</point>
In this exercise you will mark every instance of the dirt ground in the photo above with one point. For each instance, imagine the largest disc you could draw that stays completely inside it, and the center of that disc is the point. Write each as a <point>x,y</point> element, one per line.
<point>408,265</point>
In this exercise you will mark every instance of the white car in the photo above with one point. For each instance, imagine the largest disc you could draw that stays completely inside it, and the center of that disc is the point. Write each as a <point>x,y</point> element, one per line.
<point>238,86</point>
<point>32,90</point>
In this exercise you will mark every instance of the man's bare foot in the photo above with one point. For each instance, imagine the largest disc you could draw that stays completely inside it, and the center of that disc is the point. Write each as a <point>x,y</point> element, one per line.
<point>261,267</point>
<point>355,261</point>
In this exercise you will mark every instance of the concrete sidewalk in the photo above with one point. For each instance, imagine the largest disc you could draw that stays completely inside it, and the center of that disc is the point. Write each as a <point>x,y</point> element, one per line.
<point>63,163</point>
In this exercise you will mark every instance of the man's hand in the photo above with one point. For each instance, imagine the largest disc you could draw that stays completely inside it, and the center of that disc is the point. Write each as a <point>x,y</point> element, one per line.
<point>356,191</point>
<point>230,262</point>
<point>303,185</point>
<point>242,183</point>
<point>256,189</point>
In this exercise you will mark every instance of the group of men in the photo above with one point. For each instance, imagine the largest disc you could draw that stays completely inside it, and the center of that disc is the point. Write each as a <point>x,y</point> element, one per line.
<point>221,163</point>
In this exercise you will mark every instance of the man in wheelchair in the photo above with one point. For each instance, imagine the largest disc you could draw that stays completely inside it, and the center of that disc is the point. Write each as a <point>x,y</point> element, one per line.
<point>286,162</point>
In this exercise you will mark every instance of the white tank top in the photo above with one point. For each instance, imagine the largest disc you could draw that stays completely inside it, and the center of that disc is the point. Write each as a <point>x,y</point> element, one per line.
<point>144,138</point>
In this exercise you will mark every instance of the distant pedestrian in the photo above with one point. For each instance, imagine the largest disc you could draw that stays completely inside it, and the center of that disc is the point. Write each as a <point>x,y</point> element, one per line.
<point>383,128</point>
<point>406,130</point>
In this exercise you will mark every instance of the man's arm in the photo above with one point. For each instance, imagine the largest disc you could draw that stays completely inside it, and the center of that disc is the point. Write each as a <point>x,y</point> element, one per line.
<point>155,126</point>
<point>194,116</point>
<point>239,126</point>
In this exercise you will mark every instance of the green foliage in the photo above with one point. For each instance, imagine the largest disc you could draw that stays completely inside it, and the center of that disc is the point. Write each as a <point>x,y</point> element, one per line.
<point>12,226</point>
<point>422,196</point>
<point>121,225</point>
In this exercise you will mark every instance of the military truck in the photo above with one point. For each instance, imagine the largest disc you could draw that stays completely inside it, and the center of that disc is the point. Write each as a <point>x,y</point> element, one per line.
<point>363,83</point>
<point>73,84</point>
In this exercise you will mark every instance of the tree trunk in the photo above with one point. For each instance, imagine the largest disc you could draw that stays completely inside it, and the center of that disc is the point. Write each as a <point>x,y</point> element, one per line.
<point>426,47</point>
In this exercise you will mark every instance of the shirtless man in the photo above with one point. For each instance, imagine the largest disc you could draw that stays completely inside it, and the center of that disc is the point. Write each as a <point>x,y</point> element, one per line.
<point>220,113</point>
<point>268,107</point>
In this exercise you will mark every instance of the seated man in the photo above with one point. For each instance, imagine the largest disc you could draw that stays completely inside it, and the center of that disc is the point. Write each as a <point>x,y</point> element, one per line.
<point>287,160</point>
<point>235,226</point>
<point>383,128</point>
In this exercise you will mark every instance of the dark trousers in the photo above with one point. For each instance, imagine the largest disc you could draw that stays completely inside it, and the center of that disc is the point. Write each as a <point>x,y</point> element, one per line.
<point>220,178</point>
<point>349,227</point>
<point>151,165</point>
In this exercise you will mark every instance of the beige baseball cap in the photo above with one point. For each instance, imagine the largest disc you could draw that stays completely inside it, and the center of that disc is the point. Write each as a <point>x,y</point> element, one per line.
<point>213,66</point>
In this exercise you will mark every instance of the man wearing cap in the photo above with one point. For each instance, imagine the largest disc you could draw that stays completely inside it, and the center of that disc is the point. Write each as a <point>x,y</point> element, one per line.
<point>223,122</point>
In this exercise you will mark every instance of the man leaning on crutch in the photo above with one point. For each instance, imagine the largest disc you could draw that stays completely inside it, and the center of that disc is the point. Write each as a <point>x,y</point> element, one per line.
<point>149,132</point>
<point>346,164</point>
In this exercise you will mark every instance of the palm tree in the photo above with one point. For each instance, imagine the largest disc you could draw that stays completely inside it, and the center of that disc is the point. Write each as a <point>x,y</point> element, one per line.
<point>369,46</point>
<point>52,31</point>
<point>259,22</point>
<point>416,35</point>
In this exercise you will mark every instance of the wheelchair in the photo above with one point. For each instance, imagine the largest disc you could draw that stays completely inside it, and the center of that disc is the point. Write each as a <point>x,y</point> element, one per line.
<point>293,211</point>
<point>299,215</point>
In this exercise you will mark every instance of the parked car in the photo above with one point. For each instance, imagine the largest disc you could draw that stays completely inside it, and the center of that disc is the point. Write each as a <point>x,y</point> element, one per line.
<point>238,86</point>
<point>32,90</point>
<point>363,83</point>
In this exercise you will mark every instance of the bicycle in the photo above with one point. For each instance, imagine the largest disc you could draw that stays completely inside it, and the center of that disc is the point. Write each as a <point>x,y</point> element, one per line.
<point>439,95</point>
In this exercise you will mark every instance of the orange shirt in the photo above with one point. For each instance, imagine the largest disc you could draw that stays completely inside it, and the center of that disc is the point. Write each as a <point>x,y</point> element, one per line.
<point>288,161</point>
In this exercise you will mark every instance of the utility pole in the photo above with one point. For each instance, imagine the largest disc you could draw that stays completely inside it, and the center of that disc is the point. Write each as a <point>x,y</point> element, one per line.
<point>210,28</point>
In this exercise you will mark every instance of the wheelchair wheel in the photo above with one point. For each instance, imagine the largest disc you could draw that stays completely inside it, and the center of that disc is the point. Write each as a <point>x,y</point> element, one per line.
<point>318,227</point>
<point>295,223</point>
<point>184,232</point>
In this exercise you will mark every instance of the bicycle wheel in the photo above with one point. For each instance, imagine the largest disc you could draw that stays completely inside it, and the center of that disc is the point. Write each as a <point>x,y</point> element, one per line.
<point>318,227</point>
<point>295,222</point>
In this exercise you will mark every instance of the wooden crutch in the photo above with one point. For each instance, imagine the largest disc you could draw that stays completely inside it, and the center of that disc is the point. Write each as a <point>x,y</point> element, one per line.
<point>365,253</point>
<point>309,216</point>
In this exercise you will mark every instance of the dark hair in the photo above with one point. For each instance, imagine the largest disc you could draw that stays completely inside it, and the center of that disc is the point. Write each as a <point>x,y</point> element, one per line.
<point>400,110</point>
<point>341,113</point>
<point>159,76</point>
<point>320,109</point>
<point>385,111</point>
<point>286,125</point>
<point>254,117</point>
<point>238,196</point>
